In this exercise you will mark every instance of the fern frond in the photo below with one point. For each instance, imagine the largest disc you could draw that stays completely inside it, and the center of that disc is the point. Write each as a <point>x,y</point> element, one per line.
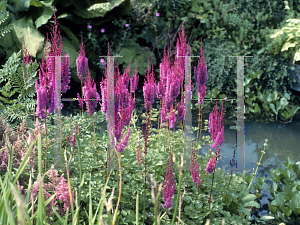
<point>3,5</point>
<point>10,67</point>
<point>6,29</point>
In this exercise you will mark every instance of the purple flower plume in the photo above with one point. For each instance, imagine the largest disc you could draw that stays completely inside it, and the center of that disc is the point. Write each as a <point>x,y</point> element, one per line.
<point>181,110</point>
<point>90,92</point>
<point>215,121</point>
<point>200,73</point>
<point>169,185</point>
<point>81,62</point>
<point>41,100</point>
<point>211,165</point>
<point>65,79</point>
<point>149,89</point>
<point>172,118</point>
<point>123,145</point>
<point>134,81</point>
<point>80,101</point>
<point>220,138</point>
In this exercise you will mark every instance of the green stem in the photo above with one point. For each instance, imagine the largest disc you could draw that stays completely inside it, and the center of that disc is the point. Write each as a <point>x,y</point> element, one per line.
<point>119,162</point>
<point>95,140</point>
<point>228,184</point>
<point>80,175</point>
<point>263,152</point>
<point>212,183</point>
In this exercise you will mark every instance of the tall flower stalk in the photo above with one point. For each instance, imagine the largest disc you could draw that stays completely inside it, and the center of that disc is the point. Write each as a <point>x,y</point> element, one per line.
<point>82,67</point>
<point>194,168</point>
<point>200,73</point>
<point>169,184</point>
<point>145,131</point>
<point>149,90</point>
<point>91,98</point>
<point>46,87</point>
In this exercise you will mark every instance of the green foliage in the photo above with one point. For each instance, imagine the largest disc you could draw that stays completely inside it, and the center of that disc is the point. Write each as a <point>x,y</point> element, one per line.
<point>98,9</point>
<point>3,17</point>
<point>285,189</point>
<point>17,88</point>
<point>287,39</point>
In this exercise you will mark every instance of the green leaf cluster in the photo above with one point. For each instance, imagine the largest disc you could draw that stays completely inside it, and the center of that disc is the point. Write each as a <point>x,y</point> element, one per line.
<point>284,189</point>
<point>17,88</point>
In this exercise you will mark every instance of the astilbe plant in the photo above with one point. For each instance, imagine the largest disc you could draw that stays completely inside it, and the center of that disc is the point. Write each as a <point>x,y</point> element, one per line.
<point>55,185</point>
<point>20,140</point>
<point>91,96</point>
<point>169,184</point>
<point>82,67</point>
<point>200,73</point>
<point>216,129</point>
<point>149,88</point>
<point>46,87</point>
<point>194,168</point>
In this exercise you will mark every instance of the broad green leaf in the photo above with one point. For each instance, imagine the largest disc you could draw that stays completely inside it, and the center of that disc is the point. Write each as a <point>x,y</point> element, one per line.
<point>20,5</point>
<point>98,9</point>
<point>283,103</point>
<point>252,203</point>
<point>70,49</point>
<point>245,211</point>
<point>34,40</point>
<point>273,108</point>
<point>249,197</point>
<point>71,36</point>
<point>44,18</point>
<point>295,203</point>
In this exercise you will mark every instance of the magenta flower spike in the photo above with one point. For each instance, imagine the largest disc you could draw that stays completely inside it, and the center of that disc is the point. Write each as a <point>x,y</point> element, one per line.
<point>200,73</point>
<point>81,62</point>
<point>80,101</point>
<point>149,88</point>
<point>215,121</point>
<point>90,92</point>
<point>26,57</point>
<point>65,75</point>
<point>172,118</point>
<point>169,185</point>
<point>134,80</point>
<point>123,145</point>
<point>220,139</point>
<point>47,72</point>
<point>41,100</point>
<point>181,110</point>
<point>211,165</point>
